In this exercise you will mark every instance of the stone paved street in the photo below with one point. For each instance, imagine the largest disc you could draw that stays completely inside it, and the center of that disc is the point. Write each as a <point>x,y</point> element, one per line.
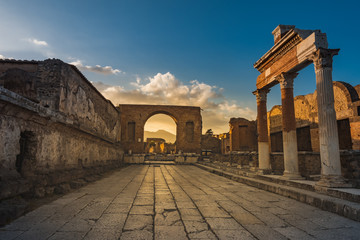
<point>176,202</point>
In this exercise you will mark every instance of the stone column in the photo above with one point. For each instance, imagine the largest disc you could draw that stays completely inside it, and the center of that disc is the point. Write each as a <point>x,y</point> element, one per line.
<point>263,141</point>
<point>328,133</point>
<point>291,163</point>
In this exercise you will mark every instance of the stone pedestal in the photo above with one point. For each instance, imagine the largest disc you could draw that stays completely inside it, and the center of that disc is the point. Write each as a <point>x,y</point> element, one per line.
<point>291,164</point>
<point>328,133</point>
<point>263,141</point>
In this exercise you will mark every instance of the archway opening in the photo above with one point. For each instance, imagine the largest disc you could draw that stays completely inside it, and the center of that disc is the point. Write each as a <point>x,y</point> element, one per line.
<point>160,134</point>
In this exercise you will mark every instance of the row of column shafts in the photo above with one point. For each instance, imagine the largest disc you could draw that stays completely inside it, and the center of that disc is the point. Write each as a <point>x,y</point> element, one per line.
<point>328,134</point>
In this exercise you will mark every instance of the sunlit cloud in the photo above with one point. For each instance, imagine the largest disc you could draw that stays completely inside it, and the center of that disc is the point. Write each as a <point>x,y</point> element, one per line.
<point>2,57</point>
<point>165,89</point>
<point>37,42</point>
<point>97,68</point>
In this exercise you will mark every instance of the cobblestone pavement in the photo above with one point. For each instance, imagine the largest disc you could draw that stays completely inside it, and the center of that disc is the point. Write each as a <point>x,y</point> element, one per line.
<point>176,202</point>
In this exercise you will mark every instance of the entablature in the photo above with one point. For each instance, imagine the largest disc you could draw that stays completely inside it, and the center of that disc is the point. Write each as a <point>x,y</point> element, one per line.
<point>289,53</point>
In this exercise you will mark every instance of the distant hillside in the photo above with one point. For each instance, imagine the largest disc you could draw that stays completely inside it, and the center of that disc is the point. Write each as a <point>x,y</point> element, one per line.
<point>169,137</point>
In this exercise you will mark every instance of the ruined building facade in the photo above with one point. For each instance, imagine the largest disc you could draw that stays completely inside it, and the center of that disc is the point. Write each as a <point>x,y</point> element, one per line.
<point>242,135</point>
<point>210,143</point>
<point>187,119</point>
<point>293,50</point>
<point>347,107</point>
<point>54,127</point>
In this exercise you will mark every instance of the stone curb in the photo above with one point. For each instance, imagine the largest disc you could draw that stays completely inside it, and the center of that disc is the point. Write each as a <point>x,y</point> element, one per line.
<point>341,207</point>
<point>322,190</point>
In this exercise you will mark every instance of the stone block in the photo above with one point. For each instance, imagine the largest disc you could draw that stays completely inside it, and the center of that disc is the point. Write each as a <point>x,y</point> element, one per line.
<point>139,222</point>
<point>180,159</point>
<point>39,192</point>
<point>62,188</point>
<point>170,232</point>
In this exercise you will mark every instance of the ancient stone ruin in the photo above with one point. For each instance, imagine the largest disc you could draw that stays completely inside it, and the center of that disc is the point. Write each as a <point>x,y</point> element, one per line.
<point>58,132</point>
<point>56,128</point>
<point>297,140</point>
<point>188,126</point>
<point>293,50</point>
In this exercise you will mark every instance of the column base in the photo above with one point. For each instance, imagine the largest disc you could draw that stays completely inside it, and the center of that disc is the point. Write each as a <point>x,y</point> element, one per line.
<point>264,171</point>
<point>333,181</point>
<point>292,176</point>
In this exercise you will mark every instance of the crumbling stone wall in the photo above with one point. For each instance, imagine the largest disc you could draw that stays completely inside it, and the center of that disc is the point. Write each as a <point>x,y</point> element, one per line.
<point>237,159</point>
<point>309,163</point>
<point>209,142</point>
<point>225,142</point>
<point>347,113</point>
<point>242,135</point>
<point>62,87</point>
<point>55,129</point>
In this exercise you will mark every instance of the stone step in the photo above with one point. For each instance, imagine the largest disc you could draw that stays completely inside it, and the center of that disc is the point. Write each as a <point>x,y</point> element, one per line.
<point>322,200</point>
<point>349,194</point>
<point>314,177</point>
<point>162,162</point>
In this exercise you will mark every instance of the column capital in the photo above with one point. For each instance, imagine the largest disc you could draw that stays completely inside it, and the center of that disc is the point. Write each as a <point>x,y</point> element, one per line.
<point>322,58</point>
<point>286,80</point>
<point>261,94</point>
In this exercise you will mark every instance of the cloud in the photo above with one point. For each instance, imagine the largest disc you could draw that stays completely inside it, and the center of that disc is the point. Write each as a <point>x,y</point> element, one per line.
<point>97,68</point>
<point>3,57</point>
<point>166,89</point>
<point>37,42</point>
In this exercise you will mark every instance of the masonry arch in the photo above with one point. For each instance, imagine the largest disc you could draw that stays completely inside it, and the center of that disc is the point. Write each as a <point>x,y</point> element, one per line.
<point>160,133</point>
<point>188,126</point>
<point>151,114</point>
<point>344,96</point>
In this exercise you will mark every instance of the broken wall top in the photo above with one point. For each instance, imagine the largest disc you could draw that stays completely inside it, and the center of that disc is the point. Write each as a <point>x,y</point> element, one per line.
<point>61,87</point>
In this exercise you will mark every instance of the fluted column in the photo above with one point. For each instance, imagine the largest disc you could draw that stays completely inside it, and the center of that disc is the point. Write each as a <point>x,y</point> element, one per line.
<point>328,133</point>
<point>263,141</point>
<point>291,163</point>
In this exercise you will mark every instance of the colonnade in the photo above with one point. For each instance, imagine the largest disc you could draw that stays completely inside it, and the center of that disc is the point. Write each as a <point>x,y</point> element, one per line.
<point>328,134</point>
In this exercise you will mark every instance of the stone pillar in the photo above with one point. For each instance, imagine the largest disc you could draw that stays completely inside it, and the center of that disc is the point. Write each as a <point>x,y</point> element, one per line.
<point>328,133</point>
<point>263,140</point>
<point>291,163</point>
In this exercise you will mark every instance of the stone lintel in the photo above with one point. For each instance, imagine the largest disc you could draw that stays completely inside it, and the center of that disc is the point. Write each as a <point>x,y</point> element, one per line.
<point>291,53</point>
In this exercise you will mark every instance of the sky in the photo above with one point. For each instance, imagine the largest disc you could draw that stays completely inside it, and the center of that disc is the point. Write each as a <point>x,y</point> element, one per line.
<point>178,52</point>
